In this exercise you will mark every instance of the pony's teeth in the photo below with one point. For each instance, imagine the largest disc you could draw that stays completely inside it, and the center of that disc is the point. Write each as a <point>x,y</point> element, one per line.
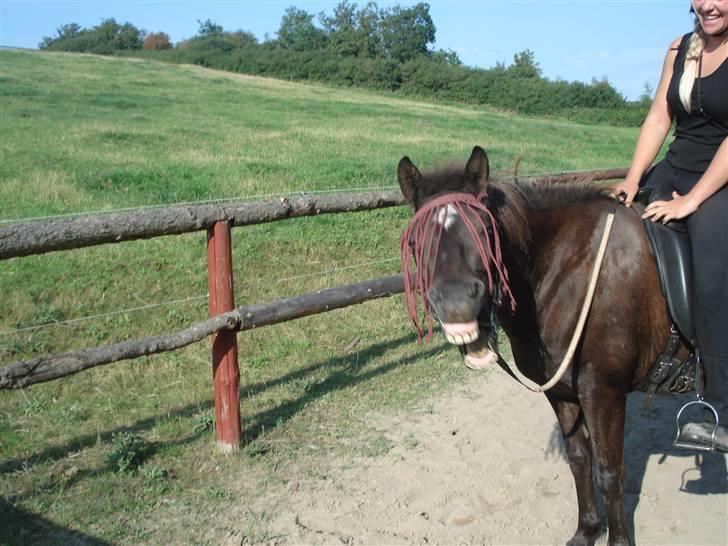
<point>458,339</point>
<point>462,339</point>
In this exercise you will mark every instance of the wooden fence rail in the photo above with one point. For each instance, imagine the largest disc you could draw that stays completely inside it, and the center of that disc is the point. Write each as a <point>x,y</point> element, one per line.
<point>25,239</point>
<point>38,370</point>
<point>39,237</point>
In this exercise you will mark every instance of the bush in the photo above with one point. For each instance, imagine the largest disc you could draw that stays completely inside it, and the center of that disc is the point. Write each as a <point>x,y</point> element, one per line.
<point>157,41</point>
<point>106,38</point>
<point>384,49</point>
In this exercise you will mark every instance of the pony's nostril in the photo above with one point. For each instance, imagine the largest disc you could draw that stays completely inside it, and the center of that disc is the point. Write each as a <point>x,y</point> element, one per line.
<point>476,290</point>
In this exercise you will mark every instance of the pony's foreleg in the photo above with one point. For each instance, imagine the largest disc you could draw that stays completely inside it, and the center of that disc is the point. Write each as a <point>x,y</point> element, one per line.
<point>604,416</point>
<point>579,453</point>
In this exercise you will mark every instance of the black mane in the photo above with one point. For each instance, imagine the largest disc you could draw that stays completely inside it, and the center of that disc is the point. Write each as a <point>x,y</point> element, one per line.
<point>548,195</point>
<point>511,200</point>
<point>537,195</point>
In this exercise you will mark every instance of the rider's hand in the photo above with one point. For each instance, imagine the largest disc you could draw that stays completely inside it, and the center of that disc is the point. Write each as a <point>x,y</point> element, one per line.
<point>664,211</point>
<point>625,191</point>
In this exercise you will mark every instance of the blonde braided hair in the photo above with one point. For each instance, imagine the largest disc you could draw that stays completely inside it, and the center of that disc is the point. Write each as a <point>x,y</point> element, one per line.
<point>696,45</point>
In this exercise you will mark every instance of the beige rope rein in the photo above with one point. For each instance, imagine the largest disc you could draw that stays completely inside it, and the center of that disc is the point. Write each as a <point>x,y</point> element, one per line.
<point>588,299</point>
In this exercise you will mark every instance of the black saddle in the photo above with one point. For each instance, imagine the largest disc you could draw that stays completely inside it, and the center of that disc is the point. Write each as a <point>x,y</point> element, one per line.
<point>671,248</point>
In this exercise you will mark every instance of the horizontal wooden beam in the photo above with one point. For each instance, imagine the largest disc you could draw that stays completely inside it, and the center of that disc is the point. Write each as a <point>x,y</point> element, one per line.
<point>25,239</point>
<point>38,370</point>
<point>318,302</point>
<point>46,368</point>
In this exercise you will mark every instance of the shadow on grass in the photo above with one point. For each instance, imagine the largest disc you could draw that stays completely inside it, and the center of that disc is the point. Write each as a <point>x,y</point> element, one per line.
<point>339,379</point>
<point>54,453</point>
<point>19,527</point>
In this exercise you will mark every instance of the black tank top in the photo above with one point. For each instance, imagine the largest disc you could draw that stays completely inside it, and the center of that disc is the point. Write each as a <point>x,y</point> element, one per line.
<point>698,135</point>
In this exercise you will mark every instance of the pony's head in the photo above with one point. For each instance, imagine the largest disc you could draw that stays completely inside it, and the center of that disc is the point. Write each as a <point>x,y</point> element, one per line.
<point>454,241</point>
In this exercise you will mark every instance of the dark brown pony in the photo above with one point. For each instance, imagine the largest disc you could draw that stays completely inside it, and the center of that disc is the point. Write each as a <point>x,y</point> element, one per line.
<point>547,237</point>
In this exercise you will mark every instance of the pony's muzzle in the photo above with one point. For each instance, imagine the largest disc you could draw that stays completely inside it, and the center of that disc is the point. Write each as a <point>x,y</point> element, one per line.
<point>456,305</point>
<point>456,301</point>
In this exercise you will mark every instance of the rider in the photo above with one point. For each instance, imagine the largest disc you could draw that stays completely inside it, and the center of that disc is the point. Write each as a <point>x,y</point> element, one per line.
<point>693,91</point>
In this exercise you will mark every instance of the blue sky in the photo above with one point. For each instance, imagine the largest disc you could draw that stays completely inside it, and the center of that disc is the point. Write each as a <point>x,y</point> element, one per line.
<point>624,40</point>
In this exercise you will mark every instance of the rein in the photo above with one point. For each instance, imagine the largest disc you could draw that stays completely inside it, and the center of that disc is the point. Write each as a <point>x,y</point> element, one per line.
<point>586,306</point>
<point>421,241</point>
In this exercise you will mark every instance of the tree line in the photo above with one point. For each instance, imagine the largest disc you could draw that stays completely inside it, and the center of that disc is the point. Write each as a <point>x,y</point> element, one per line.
<point>389,49</point>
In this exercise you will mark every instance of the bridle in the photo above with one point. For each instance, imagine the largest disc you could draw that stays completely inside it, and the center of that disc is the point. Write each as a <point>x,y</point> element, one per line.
<point>420,243</point>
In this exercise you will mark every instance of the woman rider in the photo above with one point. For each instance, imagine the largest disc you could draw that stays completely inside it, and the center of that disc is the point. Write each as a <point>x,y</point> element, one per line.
<point>693,91</point>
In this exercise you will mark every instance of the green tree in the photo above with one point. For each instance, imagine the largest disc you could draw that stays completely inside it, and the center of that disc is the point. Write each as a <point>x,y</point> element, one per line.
<point>525,65</point>
<point>448,57</point>
<point>646,97</point>
<point>129,37</point>
<point>368,21</point>
<point>407,32</point>
<point>297,31</point>
<point>242,38</point>
<point>343,34</point>
<point>208,29</point>
<point>63,33</point>
<point>105,38</point>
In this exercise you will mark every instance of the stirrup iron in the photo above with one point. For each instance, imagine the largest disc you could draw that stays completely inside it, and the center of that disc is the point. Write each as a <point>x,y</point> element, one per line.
<point>681,440</point>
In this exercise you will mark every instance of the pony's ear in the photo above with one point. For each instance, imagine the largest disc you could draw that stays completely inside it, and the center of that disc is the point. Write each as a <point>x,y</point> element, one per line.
<point>477,171</point>
<point>409,178</point>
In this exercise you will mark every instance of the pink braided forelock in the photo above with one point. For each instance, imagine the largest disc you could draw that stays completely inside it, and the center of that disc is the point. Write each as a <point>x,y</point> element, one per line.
<point>424,235</point>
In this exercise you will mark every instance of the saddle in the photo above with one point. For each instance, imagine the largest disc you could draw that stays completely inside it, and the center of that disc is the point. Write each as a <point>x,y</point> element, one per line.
<point>670,246</point>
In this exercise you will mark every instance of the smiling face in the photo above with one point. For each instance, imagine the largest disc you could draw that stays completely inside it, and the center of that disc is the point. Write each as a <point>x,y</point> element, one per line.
<point>453,240</point>
<point>443,239</point>
<point>712,15</point>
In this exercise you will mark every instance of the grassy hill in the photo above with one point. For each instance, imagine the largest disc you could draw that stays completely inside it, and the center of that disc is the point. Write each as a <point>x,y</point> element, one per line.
<point>82,133</point>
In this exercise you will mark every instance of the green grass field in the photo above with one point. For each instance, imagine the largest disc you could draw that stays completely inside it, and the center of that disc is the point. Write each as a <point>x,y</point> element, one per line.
<point>82,133</point>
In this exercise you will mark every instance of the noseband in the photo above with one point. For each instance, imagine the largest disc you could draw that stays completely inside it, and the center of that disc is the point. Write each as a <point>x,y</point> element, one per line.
<point>420,242</point>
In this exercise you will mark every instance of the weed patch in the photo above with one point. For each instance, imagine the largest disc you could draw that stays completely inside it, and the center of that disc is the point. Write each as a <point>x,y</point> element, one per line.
<point>128,451</point>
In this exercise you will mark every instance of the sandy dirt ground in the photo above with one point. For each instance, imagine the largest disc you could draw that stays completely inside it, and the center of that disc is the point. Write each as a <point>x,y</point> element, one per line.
<point>485,465</point>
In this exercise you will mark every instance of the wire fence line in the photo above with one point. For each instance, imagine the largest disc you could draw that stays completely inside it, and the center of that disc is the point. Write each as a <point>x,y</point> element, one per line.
<point>46,325</point>
<point>100,315</point>
<point>239,198</point>
<point>337,269</point>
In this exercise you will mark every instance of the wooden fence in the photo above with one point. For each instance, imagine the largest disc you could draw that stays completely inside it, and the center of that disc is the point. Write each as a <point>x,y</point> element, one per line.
<point>24,239</point>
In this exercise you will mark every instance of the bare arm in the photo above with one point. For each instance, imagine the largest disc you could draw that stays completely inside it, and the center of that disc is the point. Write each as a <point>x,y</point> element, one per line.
<point>715,177</point>
<point>652,134</point>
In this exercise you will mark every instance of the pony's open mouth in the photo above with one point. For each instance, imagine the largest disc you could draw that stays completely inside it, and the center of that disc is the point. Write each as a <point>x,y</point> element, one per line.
<point>465,333</point>
<point>460,333</point>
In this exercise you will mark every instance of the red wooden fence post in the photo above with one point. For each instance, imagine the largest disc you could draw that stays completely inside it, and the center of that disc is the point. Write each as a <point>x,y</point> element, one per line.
<point>224,344</point>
